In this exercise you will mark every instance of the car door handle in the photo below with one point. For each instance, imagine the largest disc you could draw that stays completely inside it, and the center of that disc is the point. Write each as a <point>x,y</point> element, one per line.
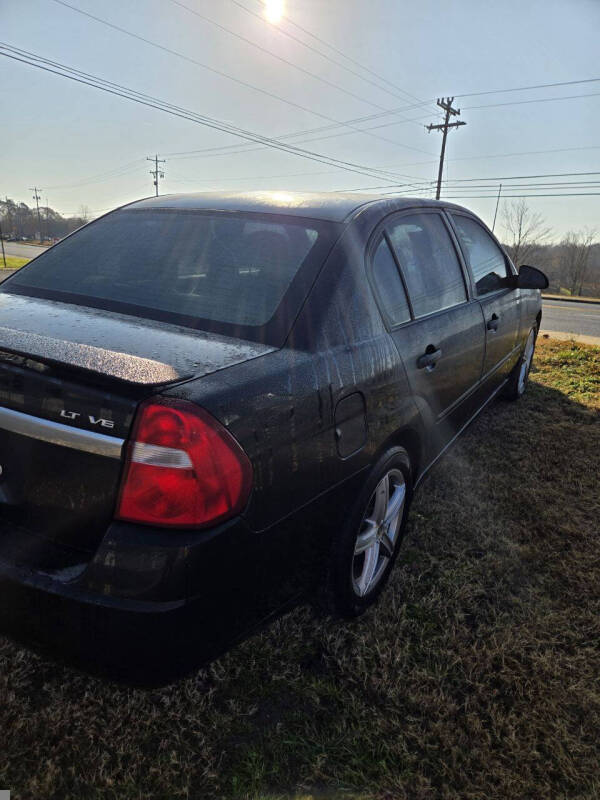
<point>429,358</point>
<point>493,323</point>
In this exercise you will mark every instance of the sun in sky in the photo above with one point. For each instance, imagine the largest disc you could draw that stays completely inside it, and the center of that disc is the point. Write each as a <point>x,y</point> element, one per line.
<point>274,10</point>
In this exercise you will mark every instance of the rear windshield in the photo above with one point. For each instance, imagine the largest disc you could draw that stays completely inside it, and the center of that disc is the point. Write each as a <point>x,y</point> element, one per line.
<point>215,271</point>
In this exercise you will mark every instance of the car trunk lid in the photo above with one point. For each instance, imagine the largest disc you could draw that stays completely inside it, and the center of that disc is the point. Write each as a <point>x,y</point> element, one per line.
<point>70,380</point>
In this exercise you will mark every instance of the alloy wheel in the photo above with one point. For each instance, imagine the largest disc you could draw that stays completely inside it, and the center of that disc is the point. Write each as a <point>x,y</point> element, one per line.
<point>526,361</point>
<point>378,532</point>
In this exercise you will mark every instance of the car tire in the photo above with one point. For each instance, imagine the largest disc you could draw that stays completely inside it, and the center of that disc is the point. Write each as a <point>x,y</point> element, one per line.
<point>369,542</point>
<point>517,381</point>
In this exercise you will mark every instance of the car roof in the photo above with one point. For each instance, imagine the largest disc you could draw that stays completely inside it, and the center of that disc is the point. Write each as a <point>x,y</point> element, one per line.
<point>331,206</point>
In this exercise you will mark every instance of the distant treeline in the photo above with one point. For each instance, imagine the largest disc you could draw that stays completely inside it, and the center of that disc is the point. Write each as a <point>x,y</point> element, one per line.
<point>18,220</point>
<point>572,265</point>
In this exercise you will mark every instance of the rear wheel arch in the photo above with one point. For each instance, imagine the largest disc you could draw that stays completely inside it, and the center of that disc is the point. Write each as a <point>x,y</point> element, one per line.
<point>409,439</point>
<point>366,529</point>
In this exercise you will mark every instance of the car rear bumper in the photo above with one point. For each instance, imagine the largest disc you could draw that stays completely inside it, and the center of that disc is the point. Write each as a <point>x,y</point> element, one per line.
<point>152,601</point>
<point>123,638</point>
<point>147,601</point>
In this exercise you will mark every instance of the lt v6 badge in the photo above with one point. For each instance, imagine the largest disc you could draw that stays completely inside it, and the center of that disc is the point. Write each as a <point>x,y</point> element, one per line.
<point>104,423</point>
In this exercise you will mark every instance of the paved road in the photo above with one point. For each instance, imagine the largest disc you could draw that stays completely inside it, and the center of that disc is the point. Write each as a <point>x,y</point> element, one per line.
<point>569,317</point>
<point>22,250</point>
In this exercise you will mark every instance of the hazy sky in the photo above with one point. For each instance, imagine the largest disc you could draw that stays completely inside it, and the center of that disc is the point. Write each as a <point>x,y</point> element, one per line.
<point>83,146</point>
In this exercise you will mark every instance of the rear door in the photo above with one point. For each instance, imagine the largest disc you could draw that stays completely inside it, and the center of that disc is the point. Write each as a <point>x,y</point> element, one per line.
<point>501,306</point>
<point>438,327</point>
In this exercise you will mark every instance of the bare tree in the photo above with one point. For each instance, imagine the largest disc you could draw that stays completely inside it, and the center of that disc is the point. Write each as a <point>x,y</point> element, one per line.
<point>526,230</point>
<point>575,250</point>
<point>84,213</point>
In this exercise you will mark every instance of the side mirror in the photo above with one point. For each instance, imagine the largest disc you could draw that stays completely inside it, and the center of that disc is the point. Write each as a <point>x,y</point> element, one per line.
<point>530,278</point>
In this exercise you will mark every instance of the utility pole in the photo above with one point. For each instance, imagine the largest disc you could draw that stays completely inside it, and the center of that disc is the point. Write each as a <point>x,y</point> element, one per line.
<point>9,216</point>
<point>37,197</point>
<point>446,104</point>
<point>156,172</point>
<point>2,243</point>
<point>497,204</point>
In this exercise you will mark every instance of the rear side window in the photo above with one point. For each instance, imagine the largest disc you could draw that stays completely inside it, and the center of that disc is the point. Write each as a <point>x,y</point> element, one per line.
<point>214,271</point>
<point>389,284</point>
<point>483,255</point>
<point>429,263</point>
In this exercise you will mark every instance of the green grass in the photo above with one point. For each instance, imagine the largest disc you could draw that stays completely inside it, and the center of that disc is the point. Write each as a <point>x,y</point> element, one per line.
<point>477,676</point>
<point>573,370</point>
<point>13,262</point>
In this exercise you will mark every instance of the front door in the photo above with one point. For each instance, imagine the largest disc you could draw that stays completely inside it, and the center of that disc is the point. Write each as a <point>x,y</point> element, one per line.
<point>500,305</point>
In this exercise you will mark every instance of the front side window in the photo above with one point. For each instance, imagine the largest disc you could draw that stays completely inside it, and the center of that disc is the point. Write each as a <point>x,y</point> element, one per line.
<point>429,263</point>
<point>483,255</point>
<point>389,284</point>
<point>192,268</point>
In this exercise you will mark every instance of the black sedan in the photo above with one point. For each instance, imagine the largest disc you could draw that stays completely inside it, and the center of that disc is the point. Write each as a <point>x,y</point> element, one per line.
<point>213,403</point>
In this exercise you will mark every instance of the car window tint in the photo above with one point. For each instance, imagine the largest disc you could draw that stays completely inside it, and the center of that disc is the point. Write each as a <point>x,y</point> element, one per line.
<point>483,255</point>
<point>389,284</point>
<point>429,263</point>
<point>222,267</point>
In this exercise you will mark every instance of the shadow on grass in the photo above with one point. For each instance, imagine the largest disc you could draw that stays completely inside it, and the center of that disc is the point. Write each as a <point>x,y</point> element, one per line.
<point>477,675</point>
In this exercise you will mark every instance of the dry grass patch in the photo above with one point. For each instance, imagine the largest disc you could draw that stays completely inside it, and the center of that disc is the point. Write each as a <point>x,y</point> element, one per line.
<point>477,676</point>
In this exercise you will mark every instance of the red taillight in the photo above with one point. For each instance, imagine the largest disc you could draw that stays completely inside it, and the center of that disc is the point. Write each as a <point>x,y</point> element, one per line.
<point>183,468</point>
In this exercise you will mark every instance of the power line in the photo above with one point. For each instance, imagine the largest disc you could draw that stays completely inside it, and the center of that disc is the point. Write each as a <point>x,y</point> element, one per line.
<point>292,64</point>
<point>471,193</point>
<point>134,95</point>
<point>535,100</point>
<point>294,38</point>
<point>361,66</point>
<point>354,120</point>
<point>522,177</point>
<point>183,56</point>
<point>231,129</point>
<point>78,76</point>
<point>497,155</point>
<point>490,191</point>
<point>250,177</point>
<point>526,185</point>
<point>510,196</point>
<point>351,60</point>
<point>237,149</point>
<point>376,127</point>
<point>326,128</point>
<point>406,188</point>
<point>222,74</point>
<point>527,88</point>
<point>521,153</point>
<point>117,172</point>
<point>469,180</point>
<point>534,190</point>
